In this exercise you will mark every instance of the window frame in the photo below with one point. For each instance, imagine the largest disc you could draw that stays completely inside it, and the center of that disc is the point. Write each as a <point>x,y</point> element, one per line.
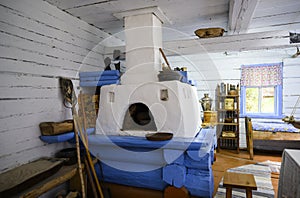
<point>277,104</point>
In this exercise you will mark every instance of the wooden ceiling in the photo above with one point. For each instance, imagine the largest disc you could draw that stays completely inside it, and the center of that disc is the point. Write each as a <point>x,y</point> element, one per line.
<point>237,17</point>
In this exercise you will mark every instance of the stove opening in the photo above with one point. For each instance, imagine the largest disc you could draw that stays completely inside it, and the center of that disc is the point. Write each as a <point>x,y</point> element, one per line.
<point>139,117</point>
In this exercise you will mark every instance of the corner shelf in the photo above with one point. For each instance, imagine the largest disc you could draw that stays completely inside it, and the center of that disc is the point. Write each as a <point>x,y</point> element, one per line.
<point>229,124</point>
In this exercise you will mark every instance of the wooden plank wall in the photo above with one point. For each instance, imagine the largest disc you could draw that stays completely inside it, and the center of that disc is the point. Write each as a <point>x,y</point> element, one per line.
<point>213,68</point>
<point>38,44</point>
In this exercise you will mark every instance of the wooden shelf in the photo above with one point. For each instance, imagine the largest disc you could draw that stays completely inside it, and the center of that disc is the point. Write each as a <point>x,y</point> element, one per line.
<point>229,138</point>
<point>228,110</point>
<point>232,112</point>
<point>228,124</point>
<point>228,96</point>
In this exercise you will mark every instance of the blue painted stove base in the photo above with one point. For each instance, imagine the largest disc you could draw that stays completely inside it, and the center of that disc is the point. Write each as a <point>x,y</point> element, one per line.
<point>135,161</point>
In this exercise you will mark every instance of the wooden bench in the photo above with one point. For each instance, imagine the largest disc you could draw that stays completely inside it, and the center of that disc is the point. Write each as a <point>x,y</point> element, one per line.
<point>239,180</point>
<point>64,174</point>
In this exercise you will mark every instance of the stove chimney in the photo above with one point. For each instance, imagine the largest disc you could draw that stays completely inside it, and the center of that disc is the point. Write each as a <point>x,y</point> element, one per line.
<point>143,33</point>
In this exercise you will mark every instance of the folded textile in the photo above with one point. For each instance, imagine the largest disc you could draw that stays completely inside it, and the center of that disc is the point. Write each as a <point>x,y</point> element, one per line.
<point>57,138</point>
<point>98,83</point>
<point>96,78</point>
<point>99,73</point>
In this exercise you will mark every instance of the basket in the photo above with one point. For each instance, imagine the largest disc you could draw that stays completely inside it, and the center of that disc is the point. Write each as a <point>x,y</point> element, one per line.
<point>209,32</point>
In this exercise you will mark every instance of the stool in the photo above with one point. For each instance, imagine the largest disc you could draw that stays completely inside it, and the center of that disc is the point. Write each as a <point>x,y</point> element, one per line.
<point>239,180</point>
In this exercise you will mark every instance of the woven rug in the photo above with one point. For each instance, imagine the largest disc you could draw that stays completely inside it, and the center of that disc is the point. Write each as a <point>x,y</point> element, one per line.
<point>262,175</point>
<point>274,166</point>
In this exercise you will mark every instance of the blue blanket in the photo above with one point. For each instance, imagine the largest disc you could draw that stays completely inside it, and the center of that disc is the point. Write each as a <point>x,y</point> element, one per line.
<point>274,127</point>
<point>96,78</point>
<point>98,83</point>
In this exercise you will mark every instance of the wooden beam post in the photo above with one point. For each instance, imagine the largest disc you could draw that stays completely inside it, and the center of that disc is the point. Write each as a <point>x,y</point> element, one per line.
<point>240,15</point>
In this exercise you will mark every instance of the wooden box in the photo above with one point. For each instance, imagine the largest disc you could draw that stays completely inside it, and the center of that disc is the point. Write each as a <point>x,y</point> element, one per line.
<point>229,103</point>
<point>56,128</point>
<point>210,117</point>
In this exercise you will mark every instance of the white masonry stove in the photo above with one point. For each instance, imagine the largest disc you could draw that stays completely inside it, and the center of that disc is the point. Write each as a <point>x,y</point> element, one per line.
<point>141,104</point>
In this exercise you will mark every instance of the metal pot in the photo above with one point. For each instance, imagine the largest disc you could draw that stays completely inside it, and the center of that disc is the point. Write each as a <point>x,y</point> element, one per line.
<point>206,102</point>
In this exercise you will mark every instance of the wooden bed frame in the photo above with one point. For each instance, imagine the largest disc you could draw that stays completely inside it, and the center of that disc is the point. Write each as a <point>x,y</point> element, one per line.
<point>272,141</point>
<point>267,135</point>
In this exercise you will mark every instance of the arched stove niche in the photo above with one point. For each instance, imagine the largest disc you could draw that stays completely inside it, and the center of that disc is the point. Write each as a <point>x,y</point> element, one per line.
<point>139,117</point>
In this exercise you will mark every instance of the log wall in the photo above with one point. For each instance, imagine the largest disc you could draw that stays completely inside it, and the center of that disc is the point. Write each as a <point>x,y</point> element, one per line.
<point>39,43</point>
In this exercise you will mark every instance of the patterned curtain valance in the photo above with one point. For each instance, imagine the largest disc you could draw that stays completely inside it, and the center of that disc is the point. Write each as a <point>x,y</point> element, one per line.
<point>261,74</point>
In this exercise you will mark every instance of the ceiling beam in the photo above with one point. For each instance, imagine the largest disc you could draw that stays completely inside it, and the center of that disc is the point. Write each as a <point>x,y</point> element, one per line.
<point>230,43</point>
<point>240,15</point>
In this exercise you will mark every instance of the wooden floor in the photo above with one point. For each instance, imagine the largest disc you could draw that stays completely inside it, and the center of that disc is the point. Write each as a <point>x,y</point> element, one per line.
<point>227,159</point>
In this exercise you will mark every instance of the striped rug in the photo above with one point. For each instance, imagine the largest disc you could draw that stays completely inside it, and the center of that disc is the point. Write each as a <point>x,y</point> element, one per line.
<point>262,175</point>
<point>274,166</point>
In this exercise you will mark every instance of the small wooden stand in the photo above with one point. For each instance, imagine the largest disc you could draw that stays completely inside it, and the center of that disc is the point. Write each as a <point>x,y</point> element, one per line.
<point>239,180</point>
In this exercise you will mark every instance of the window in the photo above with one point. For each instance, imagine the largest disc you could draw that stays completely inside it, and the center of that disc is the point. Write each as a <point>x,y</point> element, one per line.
<point>261,90</point>
<point>260,99</point>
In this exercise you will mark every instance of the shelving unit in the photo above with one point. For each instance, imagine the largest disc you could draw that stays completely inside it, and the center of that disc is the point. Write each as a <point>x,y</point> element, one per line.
<point>227,107</point>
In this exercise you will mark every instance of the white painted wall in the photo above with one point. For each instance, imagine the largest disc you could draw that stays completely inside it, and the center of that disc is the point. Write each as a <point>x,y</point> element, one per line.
<point>38,44</point>
<point>210,69</point>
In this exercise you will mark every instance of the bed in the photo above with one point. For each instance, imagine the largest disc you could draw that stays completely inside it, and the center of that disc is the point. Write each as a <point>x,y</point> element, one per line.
<point>274,136</point>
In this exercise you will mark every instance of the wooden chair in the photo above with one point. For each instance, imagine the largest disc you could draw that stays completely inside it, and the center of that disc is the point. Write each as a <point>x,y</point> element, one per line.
<point>249,136</point>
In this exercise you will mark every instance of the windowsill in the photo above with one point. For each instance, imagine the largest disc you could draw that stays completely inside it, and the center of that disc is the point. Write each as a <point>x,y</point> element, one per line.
<point>266,116</point>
